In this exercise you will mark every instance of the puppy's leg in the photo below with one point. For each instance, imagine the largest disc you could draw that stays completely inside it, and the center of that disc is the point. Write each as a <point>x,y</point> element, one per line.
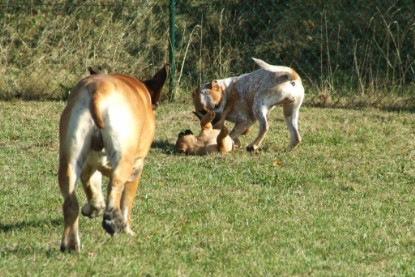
<point>91,181</point>
<point>206,121</point>
<point>67,179</point>
<point>260,112</point>
<point>220,140</point>
<point>291,115</point>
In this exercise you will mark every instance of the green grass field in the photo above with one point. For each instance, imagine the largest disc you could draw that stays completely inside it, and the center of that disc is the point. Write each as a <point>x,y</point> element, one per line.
<point>340,204</point>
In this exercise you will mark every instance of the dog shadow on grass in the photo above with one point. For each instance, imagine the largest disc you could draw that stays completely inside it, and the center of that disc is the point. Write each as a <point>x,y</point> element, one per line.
<point>23,249</point>
<point>13,227</point>
<point>163,146</point>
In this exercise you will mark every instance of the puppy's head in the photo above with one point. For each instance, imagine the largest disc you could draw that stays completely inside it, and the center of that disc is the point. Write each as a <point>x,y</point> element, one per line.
<point>208,98</point>
<point>185,142</point>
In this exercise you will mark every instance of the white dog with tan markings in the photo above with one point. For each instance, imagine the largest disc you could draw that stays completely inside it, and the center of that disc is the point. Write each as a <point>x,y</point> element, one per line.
<point>107,129</point>
<point>257,94</point>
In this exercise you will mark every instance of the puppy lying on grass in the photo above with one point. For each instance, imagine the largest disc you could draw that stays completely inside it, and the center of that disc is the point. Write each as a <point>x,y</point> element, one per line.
<point>208,141</point>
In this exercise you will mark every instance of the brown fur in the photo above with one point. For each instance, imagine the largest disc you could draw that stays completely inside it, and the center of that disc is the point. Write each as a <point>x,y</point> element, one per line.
<point>208,141</point>
<point>106,128</point>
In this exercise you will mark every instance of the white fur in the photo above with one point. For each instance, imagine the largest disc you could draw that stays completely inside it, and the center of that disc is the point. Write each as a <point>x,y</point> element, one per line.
<point>257,93</point>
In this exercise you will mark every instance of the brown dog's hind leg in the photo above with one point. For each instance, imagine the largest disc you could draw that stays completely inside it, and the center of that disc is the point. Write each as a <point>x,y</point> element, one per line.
<point>129,194</point>
<point>67,179</point>
<point>114,220</point>
<point>127,204</point>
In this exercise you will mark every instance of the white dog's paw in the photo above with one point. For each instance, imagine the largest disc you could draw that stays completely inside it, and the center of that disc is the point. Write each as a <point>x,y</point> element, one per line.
<point>252,148</point>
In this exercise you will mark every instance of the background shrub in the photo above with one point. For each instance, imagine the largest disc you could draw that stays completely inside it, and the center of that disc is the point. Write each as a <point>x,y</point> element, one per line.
<point>346,51</point>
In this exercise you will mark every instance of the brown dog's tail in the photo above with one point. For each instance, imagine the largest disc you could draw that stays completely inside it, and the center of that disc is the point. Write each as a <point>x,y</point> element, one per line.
<point>95,111</point>
<point>97,143</point>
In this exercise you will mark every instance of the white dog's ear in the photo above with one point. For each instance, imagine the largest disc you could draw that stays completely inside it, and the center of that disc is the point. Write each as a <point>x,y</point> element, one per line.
<point>215,85</point>
<point>215,92</point>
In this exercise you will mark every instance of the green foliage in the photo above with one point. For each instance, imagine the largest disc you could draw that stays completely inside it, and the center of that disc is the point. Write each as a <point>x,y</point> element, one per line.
<point>48,46</point>
<point>342,49</point>
<point>335,45</point>
<point>341,203</point>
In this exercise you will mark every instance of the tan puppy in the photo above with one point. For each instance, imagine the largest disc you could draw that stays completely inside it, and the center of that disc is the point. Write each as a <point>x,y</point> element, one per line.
<point>257,94</point>
<point>106,128</point>
<point>209,140</point>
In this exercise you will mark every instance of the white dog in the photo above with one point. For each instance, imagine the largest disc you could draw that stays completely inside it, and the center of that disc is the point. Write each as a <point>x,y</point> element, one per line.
<point>257,93</point>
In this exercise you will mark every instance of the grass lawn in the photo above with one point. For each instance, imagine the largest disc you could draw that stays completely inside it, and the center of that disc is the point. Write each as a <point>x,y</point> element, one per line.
<point>342,203</point>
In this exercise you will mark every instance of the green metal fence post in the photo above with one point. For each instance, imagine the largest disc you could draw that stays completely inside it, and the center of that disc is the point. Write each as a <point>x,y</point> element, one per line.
<point>171,49</point>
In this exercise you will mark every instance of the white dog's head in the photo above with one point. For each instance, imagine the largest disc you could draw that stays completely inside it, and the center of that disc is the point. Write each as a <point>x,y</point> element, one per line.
<point>209,97</point>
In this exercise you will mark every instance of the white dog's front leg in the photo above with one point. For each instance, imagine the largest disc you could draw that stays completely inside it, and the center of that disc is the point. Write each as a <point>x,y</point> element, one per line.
<point>239,129</point>
<point>260,112</point>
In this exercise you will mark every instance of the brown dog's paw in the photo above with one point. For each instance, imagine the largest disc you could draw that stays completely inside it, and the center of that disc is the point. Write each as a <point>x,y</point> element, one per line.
<point>113,222</point>
<point>71,243</point>
<point>71,247</point>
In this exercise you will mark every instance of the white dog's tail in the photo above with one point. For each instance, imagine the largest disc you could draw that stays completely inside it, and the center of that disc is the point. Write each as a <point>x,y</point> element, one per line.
<point>277,68</point>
